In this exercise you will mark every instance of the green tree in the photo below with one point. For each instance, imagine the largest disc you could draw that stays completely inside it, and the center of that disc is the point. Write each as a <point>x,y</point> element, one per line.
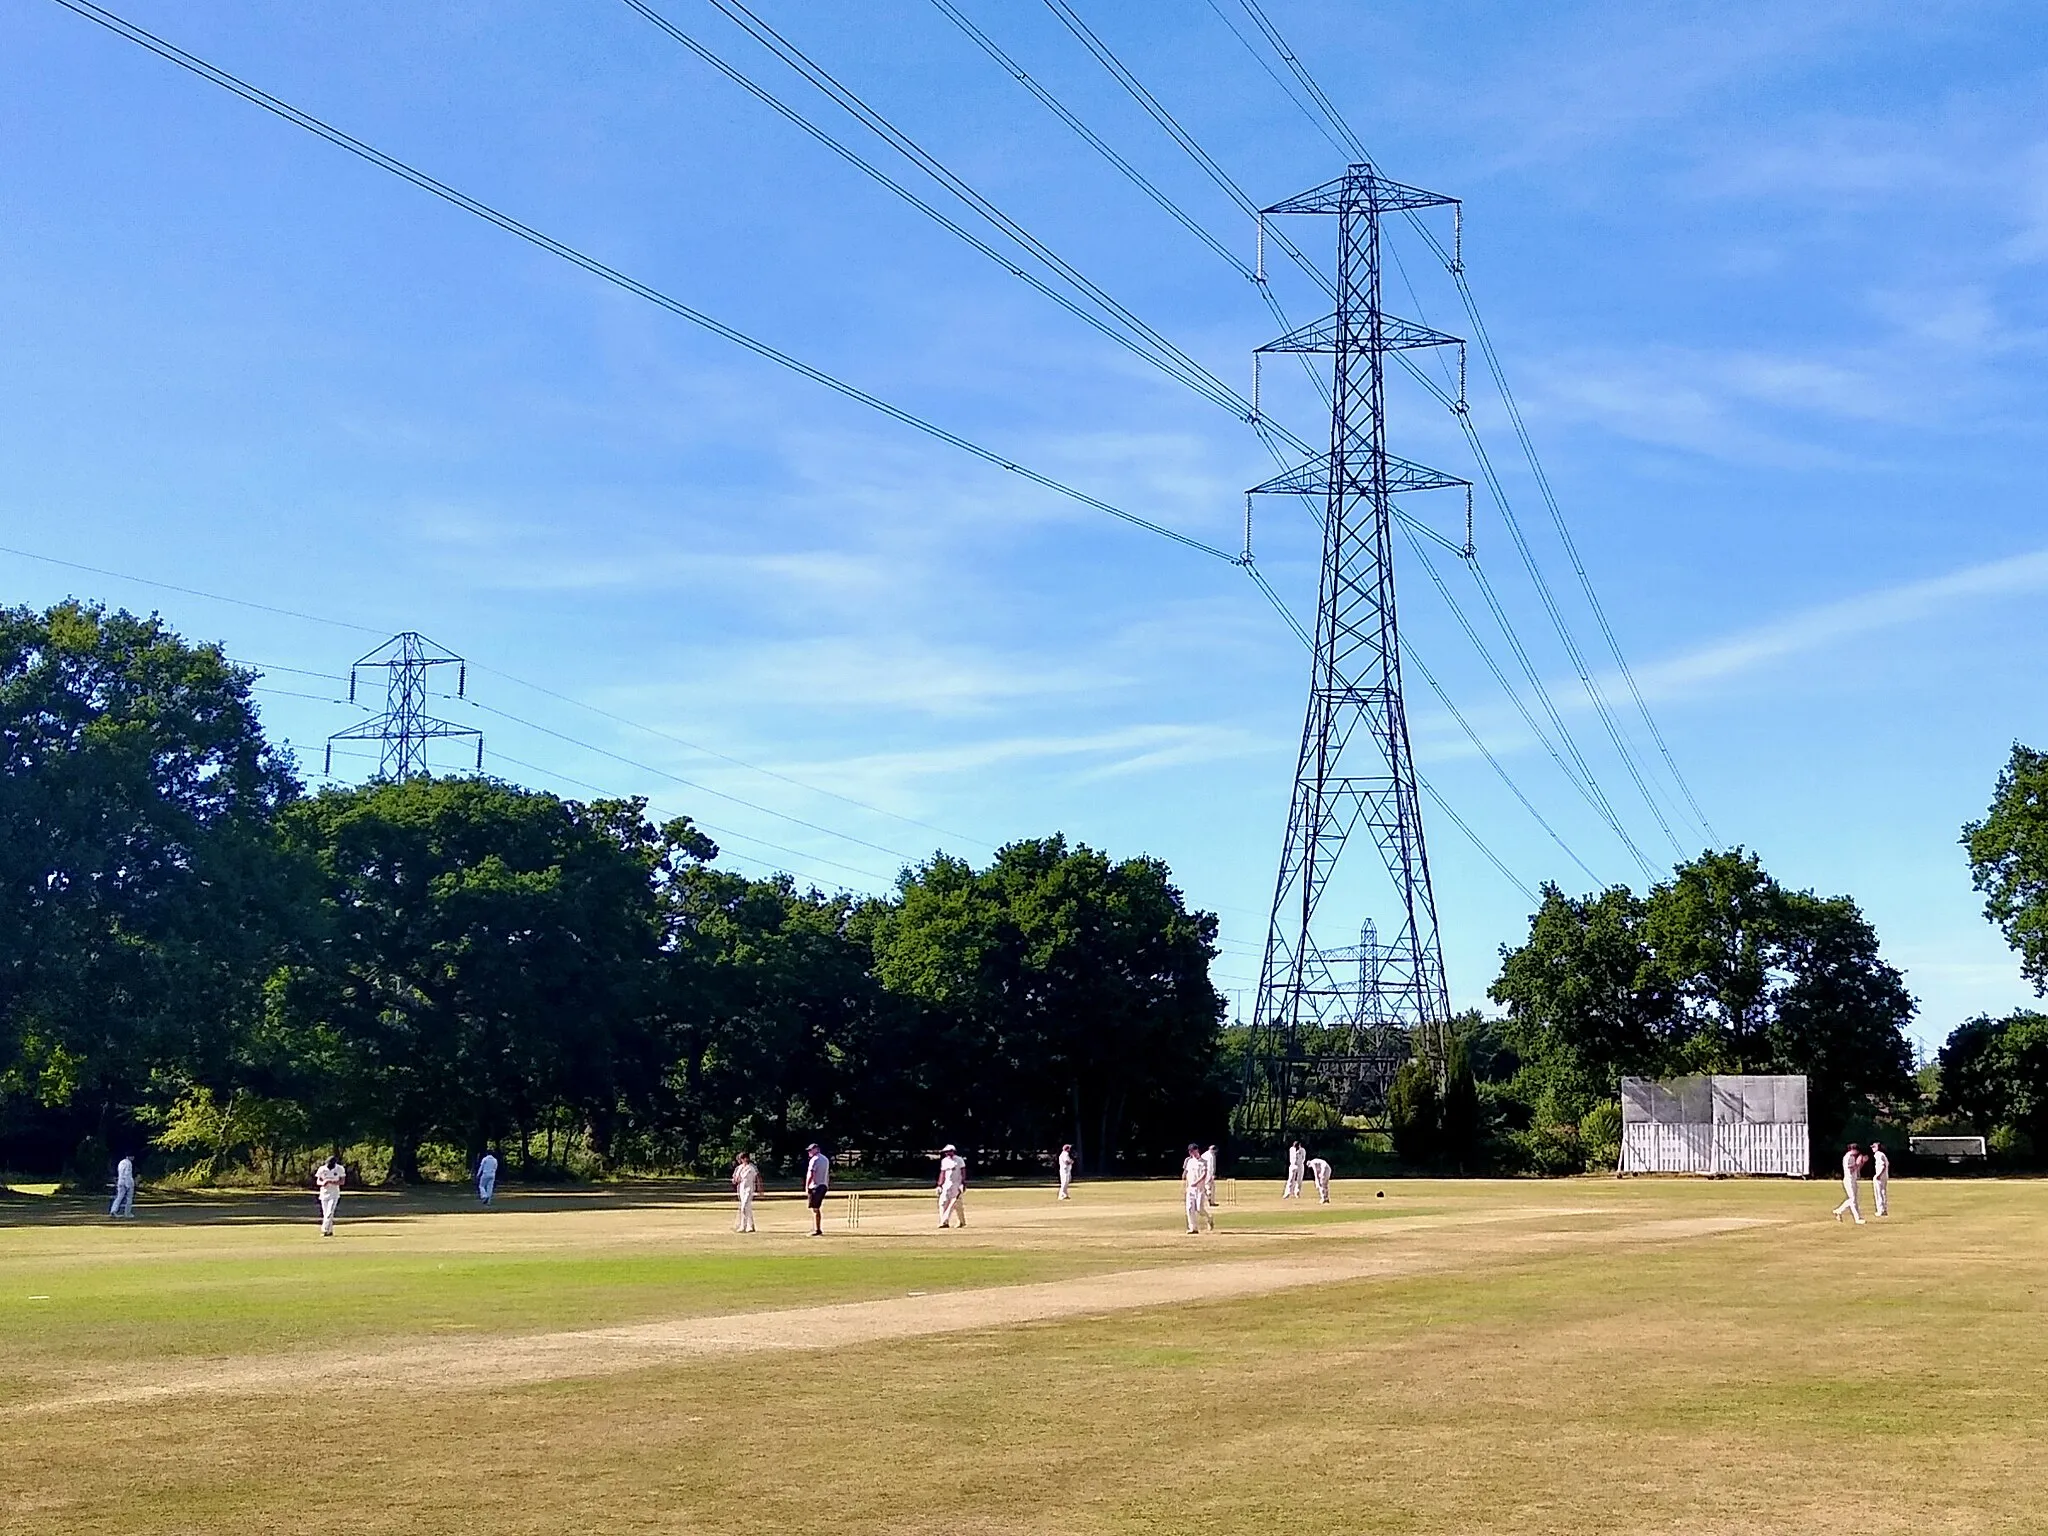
<point>141,901</point>
<point>1461,1126</point>
<point>1719,969</point>
<point>2008,852</point>
<point>486,957</point>
<point>1415,1114</point>
<point>1994,1076</point>
<point>1063,997</point>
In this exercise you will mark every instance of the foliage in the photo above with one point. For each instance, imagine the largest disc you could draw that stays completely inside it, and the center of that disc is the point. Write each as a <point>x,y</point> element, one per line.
<point>1994,1079</point>
<point>1461,1129</point>
<point>141,896</point>
<point>1600,1134</point>
<point>1719,969</point>
<point>1415,1112</point>
<point>417,971</point>
<point>2008,853</point>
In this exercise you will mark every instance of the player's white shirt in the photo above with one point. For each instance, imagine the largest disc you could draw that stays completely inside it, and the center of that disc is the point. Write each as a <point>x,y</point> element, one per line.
<point>818,1175</point>
<point>1880,1165</point>
<point>488,1168</point>
<point>330,1178</point>
<point>1195,1172</point>
<point>1319,1169</point>
<point>952,1171</point>
<point>1066,1162</point>
<point>1851,1165</point>
<point>1209,1161</point>
<point>1297,1158</point>
<point>124,1171</point>
<point>746,1178</point>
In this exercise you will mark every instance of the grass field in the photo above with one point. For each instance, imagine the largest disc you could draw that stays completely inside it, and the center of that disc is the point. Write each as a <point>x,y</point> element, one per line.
<point>1579,1356</point>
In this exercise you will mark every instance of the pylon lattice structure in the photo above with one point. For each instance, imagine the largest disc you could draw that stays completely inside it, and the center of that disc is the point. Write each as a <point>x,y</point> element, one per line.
<point>403,730</point>
<point>1323,1042</point>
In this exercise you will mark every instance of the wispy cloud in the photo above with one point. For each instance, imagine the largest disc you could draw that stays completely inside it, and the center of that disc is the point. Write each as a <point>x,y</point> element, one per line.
<point>1830,624</point>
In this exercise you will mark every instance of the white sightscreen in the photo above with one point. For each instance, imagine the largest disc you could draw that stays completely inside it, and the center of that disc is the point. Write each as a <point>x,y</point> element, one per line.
<point>1715,1125</point>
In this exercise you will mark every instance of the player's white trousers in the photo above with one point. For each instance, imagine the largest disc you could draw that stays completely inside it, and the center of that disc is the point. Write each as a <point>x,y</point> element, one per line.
<point>1848,1204</point>
<point>950,1206</point>
<point>329,1199</point>
<point>1293,1190</point>
<point>1066,1180</point>
<point>485,1188</point>
<point>124,1201</point>
<point>746,1221</point>
<point>1323,1189</point>
<point>1195,1211</point>
<point>1882,1188</point>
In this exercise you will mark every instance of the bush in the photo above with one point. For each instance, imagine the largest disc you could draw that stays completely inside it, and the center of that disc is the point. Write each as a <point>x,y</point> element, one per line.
<point>1600,1135</point>
<point>1551,1149</point>
<point>1416,1115</point>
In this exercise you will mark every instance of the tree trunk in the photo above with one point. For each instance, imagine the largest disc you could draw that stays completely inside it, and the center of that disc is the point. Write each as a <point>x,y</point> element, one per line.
<point>405,1161</point>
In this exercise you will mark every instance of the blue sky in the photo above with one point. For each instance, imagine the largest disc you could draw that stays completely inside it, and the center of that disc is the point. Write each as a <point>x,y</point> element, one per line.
<point>1766,279</point>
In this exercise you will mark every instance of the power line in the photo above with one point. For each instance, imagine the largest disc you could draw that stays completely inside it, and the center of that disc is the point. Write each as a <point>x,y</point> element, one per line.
<point>377,157</point>
<point>1454,263</point>
<point>1171,357</point>
<point>1171,361</point>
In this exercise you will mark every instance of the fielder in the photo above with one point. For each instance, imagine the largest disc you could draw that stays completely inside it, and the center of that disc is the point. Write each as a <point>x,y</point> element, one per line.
<point>952,1185</point>
<point>1852,1168</point>
<point>329,1177</point>
<point>487,1177</point>
<point>1194,1173</point>
<point>817,1180</point>
<point>1881,1178</point>
<point>1209,1182</point>
<point>124,1189</point>
<point>1297,1165</point>
<point>1066,1170</point>
<point>746,1183</point>
<point>1320,1171</point>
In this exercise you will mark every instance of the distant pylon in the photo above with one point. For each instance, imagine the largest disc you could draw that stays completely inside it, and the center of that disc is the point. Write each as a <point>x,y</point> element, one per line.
<point>1320,1034</point>
<point>405,727</point>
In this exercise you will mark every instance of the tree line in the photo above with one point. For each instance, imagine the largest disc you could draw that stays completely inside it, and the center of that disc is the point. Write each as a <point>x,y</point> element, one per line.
<point>199,956</point>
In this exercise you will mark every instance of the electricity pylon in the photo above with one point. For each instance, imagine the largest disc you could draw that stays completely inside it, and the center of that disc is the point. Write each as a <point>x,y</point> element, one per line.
<point>1319,1034</point>
<point>405,727</point>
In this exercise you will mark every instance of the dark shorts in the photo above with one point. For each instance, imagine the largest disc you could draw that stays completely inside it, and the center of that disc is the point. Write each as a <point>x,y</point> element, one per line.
<point>816,1195</point>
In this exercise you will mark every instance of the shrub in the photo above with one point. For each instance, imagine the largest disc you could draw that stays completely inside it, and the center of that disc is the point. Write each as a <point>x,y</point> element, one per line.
<point>1600,1135</point>
<point>1413,1108</point>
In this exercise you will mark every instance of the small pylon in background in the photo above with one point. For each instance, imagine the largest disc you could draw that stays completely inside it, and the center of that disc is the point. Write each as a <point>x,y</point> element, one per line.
<point>405,727</point>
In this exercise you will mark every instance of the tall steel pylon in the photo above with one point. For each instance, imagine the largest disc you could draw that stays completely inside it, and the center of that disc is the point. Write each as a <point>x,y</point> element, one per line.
<point>1319,1034</point>
<point>405,727</point>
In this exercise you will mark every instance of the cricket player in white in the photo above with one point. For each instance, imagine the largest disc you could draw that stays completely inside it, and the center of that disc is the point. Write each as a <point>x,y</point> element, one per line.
<point>487,1177</point>
<point>1297,1165</point>
<point>1066,1171</point>
<point>1194,1173</point>
<point>1852,1167</point>
<point>329,1176</point>
<point>1320,1171</point>
<point>1881,1178</point>
<point>952,1185</point>
<point>1209,1183</point>
<point>746,1183</point>
<point>124,1189</point>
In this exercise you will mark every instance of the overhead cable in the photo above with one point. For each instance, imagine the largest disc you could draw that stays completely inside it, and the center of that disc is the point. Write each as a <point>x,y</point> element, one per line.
<point>257,97</point>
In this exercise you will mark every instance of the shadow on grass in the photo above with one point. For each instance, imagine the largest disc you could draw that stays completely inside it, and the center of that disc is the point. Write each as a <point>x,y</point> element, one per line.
<point>292,1207</point>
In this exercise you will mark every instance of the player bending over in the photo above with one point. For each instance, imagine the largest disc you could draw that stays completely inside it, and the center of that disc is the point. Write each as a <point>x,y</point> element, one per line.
<point>1320,1171</point>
